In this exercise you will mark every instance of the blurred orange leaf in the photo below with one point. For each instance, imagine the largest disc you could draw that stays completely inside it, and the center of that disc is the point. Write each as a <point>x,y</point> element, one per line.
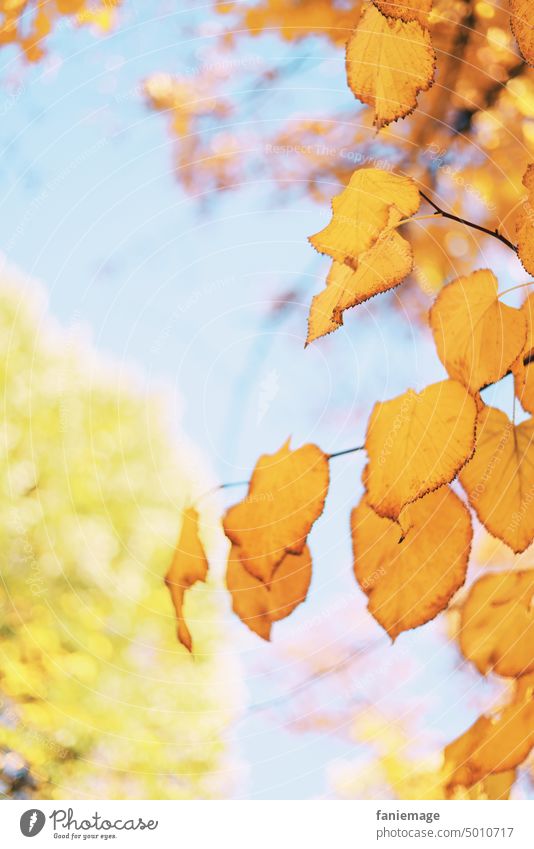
<point>497,628</point>
<point>188,566</point>
<point>257,604</point>
<point>286,495</point>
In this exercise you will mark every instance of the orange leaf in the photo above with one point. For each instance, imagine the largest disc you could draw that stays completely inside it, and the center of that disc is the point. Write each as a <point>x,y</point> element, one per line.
<point>524,374</point>
<point>416,443</point>
<point>380,268</point>
<point>497,629</point>
<point>388,63</point>
<point>286,495</point>
<point>525,224</point>
<point>188,566</point>
<point>499,480</point>
<point>363,210</point>
<point>493,745</point>
<point>477,337</point>
<point>257,604</point>
<point>409,579</point>
<point>523,27</point>
<point>406,10</point>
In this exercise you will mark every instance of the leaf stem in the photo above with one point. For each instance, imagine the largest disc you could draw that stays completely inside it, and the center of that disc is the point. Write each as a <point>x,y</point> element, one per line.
<point>495,233</point>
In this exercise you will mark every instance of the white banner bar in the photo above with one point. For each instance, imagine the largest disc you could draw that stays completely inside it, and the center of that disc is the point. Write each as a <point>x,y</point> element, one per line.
<point>268,825</point>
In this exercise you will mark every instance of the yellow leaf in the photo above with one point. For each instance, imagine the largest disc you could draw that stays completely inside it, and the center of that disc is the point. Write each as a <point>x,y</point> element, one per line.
<point>497,627</point>
<point>257,604</point>
<point>188,566</point>
<point>477,337</point>
<point>410,578</point>
<point>361,212</point>
<point>524,372</point>
<point>416,443</point>
<point>499,480</point>
<point>406,10</point>
<point>388,63</point>
<point>380,268</point>
<point>525,224</point>
<point>523,27</point>
<point>286,495</point>
<point>493,745</point>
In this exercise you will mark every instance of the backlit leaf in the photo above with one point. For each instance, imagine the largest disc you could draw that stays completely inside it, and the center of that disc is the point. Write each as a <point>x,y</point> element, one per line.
<point>406,10</point>
<point>286,495</point>
<point>497,629</point>
<point>416,443</point>
<point>362,211</point>
<point>477,337</point>
<point>388,63</point>
<point>188,566</point>
<point>410,578</point>
<point>521,21</point>
<point>257,604</point>
<point>525,224</point>
<point>494,745</point>
<point>524,371</point>
<point>380,268</point>
<point>499,480</point>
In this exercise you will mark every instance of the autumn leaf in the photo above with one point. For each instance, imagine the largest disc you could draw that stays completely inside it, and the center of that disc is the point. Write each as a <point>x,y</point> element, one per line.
<point>525,224</point>
<point>388,63</point>
<point>497,626</point>
<point>406,10</point>
<point>286,495</point>
<point>411,577</point>
<point>499,479</point>
<point>523,369</point>
<point>523,27</point>
<point>380,268</point>
<point>257,604</point>
<point>477,337</point>
<point>363,210</point>
<point>188,566</point>
<point>493,745</point>
<point>416,443</point>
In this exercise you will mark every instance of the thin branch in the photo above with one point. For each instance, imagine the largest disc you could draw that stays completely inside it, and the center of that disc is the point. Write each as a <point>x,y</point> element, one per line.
<point>345,451</point>
<point>495,233</point>
<point>231,484</point>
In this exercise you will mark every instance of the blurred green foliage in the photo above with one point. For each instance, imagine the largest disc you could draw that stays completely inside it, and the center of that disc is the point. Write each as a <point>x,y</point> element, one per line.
<point>97,698</point>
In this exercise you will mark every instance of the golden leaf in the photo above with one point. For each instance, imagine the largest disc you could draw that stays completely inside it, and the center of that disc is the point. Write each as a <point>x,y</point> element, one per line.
<point>525,224</point>
<point>524,373</point>
<point>388,63</point>
<point>406,10</point>
<point>380,268</point>
<point>499,479</point>
<point>416,443</point>
<point>362,211</point>
<point>493,745</point>
<point>410,578</point>
<point>286,495</point>
<point>477,337</point>
<point>497,627</point>
<point>188,566</point>
<point>257,604</point>
<point>523,27</point>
